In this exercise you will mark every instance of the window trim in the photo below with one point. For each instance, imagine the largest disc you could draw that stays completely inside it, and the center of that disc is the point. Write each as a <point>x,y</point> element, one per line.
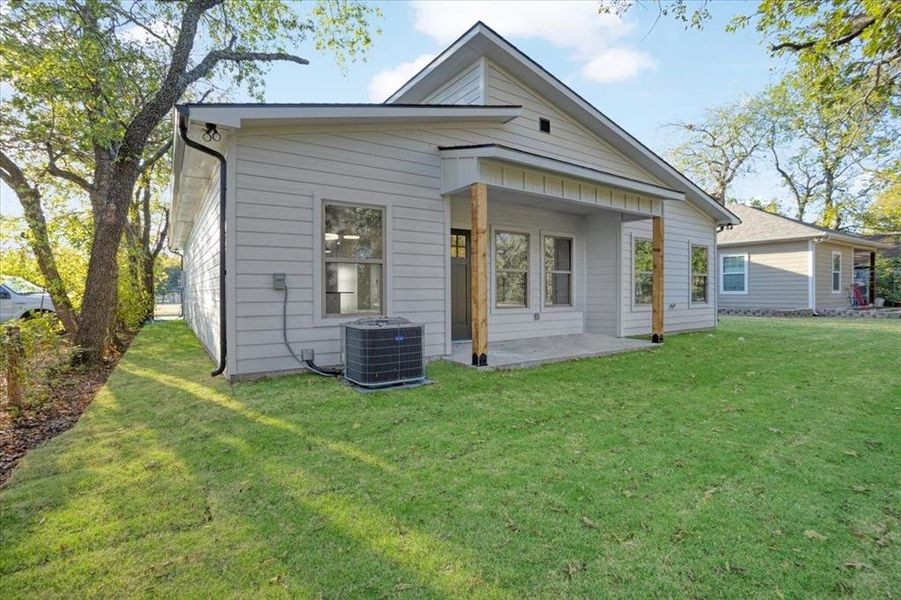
<point>320,316</point>
<point>494,270</point>
<point>722,278</point>
<point>832,271</point>
<point>691,275</point>
<point>636,307</point>
<point>572,272</point>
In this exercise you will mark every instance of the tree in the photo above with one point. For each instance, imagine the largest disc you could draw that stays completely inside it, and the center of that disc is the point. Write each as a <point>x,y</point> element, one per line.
<point>854,43</point>
<point>824,148</point>
<point>883,215</point>
<point>719,148</point>
<point>771,206</point>
<point>92,80</point>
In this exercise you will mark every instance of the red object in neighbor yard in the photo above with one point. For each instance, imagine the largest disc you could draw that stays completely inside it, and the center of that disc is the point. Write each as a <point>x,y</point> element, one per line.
<point>857,297</point>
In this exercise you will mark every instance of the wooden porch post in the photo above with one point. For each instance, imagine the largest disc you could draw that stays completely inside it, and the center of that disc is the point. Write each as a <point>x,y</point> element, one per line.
<point>657,282</point>
<point>478,203</point>
<point>872,278</point>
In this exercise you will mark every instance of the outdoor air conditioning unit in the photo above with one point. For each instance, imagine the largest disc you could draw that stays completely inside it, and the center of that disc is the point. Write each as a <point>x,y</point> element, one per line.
<point>383,351</point>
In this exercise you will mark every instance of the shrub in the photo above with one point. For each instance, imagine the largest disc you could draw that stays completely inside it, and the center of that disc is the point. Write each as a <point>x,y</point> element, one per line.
<point>45,361</point>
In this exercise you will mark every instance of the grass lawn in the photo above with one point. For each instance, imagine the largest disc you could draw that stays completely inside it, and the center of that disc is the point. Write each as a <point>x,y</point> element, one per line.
<point>762,460</point>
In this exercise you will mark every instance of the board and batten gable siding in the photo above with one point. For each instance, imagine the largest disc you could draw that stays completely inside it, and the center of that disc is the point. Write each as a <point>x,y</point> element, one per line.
<point>281,178</point>
<point>684,226</point>
<point>467,87</point>
<point>825,298</point>
<point>777,276</point>
<point>200,295</point>
<point>568,140</point>
<point>516,323</point>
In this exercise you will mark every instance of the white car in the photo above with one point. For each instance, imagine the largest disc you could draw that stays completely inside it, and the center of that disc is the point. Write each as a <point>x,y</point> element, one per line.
<point>21,299</point>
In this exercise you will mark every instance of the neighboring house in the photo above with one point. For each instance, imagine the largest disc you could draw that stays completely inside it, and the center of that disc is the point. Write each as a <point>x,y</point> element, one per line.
<point>485,199</point>
<point>771,262</point>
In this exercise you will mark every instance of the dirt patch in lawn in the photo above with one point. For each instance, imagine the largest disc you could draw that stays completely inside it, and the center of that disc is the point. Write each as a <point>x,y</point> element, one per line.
<point>22,429</point>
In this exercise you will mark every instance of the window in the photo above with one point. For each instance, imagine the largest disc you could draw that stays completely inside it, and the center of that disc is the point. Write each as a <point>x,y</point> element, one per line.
<point>643,253</point>
<point>836,272</point>
<point>458,245</point>
<point>558,271</point>
<point>734,273</point>
<point>699,274</point>
<point>544,125</point>
<point>511,260</point>
<point>353,259</point>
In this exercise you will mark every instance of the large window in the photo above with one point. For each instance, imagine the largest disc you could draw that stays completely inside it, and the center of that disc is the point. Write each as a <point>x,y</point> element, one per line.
<point>511,261</point>
<point>734,273</point>
<point>353,258</point>
<point>643,262</point>
<point>836,272</point>
<point>699,274</point>
<point>558,271</point>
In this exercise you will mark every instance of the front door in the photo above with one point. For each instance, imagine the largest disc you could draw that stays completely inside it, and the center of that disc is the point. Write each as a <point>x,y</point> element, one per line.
<point>461,315</point>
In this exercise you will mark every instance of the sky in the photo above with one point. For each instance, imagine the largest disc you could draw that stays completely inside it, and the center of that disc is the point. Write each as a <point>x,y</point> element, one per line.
<point>641,72</point>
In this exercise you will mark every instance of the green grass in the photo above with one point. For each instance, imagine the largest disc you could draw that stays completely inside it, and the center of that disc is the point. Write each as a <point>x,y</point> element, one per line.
<point>690,471</point>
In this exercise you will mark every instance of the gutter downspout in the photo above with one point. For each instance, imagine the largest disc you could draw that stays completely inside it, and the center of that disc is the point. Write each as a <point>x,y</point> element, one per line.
<point>183,112</point>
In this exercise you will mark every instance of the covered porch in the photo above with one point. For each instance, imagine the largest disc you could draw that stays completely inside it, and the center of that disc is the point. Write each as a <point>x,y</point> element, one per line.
<point>531,352</point>
<point>502,200</point>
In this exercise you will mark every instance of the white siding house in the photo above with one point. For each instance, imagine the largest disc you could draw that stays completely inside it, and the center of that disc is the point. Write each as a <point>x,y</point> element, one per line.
<point>369,209</point>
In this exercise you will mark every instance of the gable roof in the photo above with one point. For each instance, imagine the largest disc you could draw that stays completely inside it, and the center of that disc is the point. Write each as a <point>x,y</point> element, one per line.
<point>759,226</point>
<point>480,40</point>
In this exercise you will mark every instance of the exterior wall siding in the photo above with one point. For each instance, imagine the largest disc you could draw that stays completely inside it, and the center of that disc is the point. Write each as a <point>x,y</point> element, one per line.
<point>825,298</point>
<point>602,247</point>
<point>567,140</point>
<point>684,225</point>
<point>465,88</point>
<point>777,276</point>
<point>201,271</point>
<point>515,323</point>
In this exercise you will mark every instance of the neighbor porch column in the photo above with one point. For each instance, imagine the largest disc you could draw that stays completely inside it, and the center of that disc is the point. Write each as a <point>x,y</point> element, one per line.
<point>657,282</point>
<point>872,281</point>
<point>478,204</point>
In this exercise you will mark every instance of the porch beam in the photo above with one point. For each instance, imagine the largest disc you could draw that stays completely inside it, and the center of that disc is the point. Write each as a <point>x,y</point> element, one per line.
<point>478,204</point>
<point>657,282</point>
<point>872,281</point>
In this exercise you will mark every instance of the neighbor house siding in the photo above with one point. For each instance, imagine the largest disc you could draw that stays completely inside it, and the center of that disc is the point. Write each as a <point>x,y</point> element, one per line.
<point>567,140</point>
<point>516,323</point>
<point>777,276</point>
<point>825,298</point>
<point>465,88</point>
<point>201,270</point>
<point>684,225</point>
<point>280,175</point>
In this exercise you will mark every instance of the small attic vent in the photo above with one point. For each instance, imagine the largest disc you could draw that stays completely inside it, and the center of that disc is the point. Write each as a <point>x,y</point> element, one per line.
<point>544,125</point>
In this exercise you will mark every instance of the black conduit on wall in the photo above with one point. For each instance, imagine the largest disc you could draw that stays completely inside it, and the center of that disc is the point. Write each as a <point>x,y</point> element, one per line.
<point>183,131</point>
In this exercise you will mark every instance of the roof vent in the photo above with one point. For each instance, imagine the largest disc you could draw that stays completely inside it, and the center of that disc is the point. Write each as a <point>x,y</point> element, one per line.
<point>544,125</point>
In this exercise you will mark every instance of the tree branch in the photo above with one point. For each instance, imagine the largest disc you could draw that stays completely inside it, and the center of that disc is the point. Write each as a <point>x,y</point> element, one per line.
<point>160,152</point>
<point>62,173</point>
<point>162,235</point>
<point>214,57</point>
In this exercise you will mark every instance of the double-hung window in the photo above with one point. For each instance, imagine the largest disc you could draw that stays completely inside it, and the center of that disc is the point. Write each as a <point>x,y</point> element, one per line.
<point>353,240</point>
<point>836,272</point>
<point>558,271</point>
<point>700,262</point>
<point>511,269</point>
<point>643,263</point>
<point>734,273</point>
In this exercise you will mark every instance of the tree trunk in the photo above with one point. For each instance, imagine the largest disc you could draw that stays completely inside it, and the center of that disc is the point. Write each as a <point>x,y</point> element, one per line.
<point>30,198</point>
<point>148,284</point>
<point>98,310</point>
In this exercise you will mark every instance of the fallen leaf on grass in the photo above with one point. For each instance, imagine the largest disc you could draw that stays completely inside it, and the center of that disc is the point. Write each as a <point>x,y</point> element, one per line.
<point>589,523</point>
<point>711,491</point>
<point>858,566</point>
<point>860,489</point>
<point>628,493</point>
<point>402,587</point>
<point>774,430</point>
<point>814,534</point>
<point>852,453</point>
<point>873,444</point>
<point>572,568</point>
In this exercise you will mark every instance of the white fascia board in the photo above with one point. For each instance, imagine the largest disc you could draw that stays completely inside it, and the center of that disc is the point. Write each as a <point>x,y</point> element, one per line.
<point>542,163</point>
<point>241,115</point>
<point>833,238</point>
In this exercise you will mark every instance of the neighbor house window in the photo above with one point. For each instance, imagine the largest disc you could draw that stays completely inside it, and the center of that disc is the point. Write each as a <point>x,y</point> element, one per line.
<point>734,273</point>
<point>644,266</point>
<point>836,272</point>
<point>558,271</point>
<point>353,259</point>
<point>699,274</point>
<point>511,261</point>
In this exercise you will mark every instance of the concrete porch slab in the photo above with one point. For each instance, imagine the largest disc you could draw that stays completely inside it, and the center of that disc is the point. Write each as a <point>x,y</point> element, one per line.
<point>531,352</point>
